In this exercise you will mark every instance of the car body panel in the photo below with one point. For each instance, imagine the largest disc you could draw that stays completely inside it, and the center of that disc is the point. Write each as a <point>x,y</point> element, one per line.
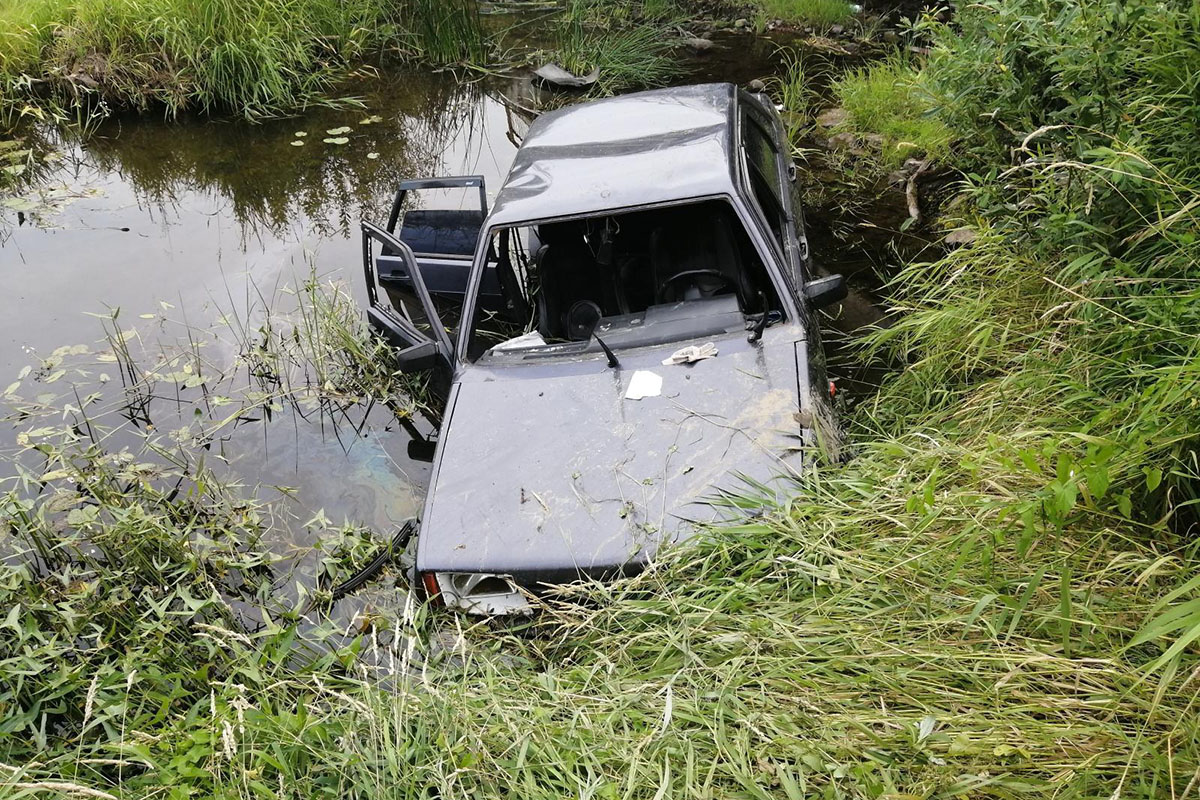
<point>622,152</point>
<point>551,474</point>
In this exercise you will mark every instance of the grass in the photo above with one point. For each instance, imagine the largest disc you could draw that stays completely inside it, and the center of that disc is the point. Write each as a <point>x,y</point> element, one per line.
<point>797,90</point>
<point>253,58</point>
<point>821,13</point>
<point>629,43</point>
<point>884,100</point>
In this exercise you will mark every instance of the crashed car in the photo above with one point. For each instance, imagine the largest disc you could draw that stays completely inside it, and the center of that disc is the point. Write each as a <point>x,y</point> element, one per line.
<point>633,349</point>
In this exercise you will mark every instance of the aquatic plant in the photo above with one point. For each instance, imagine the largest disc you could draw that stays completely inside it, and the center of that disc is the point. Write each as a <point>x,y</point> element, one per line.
<point>447,31</point>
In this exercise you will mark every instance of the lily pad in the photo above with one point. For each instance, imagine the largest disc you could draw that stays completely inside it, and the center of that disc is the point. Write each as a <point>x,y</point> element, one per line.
<point>338,140</point>
<point>297,143</point>
<point>371,120</point>
<point>372,156</point>
<point>300,134</point>
<point>338,131</point>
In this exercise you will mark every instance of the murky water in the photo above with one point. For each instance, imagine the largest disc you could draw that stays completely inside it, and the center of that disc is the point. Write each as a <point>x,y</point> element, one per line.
<point>190,221</point>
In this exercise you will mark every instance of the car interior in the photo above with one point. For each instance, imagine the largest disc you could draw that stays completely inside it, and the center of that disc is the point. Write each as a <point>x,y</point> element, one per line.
<point>637,278</point>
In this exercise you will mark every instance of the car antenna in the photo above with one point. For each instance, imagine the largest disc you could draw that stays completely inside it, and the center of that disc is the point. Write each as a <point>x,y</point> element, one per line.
<point>612,357</point>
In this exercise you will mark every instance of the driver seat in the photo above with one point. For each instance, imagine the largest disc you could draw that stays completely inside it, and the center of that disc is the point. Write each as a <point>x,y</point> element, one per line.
<point>691,241</point>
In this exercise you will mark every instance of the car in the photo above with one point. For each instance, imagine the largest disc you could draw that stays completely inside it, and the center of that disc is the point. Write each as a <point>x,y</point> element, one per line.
<point>628,340</point>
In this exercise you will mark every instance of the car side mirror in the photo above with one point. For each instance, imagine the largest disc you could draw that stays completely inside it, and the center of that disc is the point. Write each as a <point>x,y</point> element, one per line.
<point>422,450</point>
<point>421,356</point>
<point>825,291</point>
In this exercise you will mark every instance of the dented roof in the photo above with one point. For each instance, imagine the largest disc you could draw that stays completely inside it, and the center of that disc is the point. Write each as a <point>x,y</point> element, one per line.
<point>637,149</point>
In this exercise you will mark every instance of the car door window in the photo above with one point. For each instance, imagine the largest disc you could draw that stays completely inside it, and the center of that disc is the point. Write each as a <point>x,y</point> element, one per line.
<point>766,184</point>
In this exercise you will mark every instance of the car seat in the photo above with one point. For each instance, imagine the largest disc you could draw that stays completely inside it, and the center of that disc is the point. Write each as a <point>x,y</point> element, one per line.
<point>568,274</point>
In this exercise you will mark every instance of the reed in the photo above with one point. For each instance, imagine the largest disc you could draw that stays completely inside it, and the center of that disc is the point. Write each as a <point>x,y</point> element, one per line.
<point>254,58</point>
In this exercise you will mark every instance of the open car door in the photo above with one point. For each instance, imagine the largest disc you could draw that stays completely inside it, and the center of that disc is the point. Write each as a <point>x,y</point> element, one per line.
<point>443,240</point>
<point>423,343</point>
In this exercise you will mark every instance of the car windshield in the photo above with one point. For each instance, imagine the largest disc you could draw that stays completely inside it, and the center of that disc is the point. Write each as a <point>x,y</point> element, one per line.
<point>633,279</point>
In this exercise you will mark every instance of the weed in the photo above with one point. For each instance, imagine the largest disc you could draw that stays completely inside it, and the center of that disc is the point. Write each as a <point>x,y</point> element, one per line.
<point>820,13</point>
<point>627,49</point>
<point>886,100</point>
<point>797,93</point>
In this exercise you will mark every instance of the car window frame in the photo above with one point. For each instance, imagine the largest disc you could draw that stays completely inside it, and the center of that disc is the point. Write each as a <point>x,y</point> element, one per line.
<point>793,247</point>
<point>762,243</point>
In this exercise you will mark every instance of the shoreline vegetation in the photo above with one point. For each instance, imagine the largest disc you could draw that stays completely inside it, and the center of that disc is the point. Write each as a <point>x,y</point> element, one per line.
<point>253,58</point>
<point>85,59</point>
<point>995,597</point>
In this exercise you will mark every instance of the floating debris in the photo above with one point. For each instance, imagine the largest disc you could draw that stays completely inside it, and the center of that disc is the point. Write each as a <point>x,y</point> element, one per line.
<point>371,120</point>
<point>553,73</point>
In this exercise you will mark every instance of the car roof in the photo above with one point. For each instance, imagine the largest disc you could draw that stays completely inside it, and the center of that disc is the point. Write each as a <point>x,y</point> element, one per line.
<point>659,146</point>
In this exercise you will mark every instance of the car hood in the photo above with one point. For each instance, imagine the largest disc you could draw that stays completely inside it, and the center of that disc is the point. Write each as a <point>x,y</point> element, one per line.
<point>548,473</point>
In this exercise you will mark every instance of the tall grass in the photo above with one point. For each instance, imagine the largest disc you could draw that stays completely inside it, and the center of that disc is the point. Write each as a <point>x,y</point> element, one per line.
<point>813,12</point>
<point>253,58</point>
<point>629,43</point>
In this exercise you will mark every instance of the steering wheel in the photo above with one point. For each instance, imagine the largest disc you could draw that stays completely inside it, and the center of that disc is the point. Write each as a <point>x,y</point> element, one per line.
<point>691,274</point>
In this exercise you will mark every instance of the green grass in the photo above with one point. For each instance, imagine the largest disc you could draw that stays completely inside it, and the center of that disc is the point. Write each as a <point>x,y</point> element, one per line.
<point>251,57</point>
<point>885,99</point>
<point>630,43</point>
<point>810,12</point>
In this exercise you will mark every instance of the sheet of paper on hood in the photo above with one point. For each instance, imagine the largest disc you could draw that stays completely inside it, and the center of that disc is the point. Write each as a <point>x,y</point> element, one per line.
<point>644,384</point>
<point>691,353</point>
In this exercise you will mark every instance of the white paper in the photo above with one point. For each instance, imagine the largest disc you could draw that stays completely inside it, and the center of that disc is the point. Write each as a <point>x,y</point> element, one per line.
<point>644,384</point>
<point>531,339</point>
<point>692,354</point>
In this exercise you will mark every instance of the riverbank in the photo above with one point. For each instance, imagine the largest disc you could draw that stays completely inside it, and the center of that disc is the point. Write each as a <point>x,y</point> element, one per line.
<point>83,61</point>
<point>994,598</point>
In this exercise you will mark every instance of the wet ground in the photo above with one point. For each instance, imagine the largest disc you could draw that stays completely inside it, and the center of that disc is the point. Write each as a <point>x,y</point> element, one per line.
<point>184,225</point>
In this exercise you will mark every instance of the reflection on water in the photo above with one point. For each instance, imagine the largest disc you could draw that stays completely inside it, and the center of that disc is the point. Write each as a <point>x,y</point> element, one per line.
<point>198,214</point>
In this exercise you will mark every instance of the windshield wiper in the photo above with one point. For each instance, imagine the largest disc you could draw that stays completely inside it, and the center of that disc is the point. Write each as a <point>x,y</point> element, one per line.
<point>612,357</point>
